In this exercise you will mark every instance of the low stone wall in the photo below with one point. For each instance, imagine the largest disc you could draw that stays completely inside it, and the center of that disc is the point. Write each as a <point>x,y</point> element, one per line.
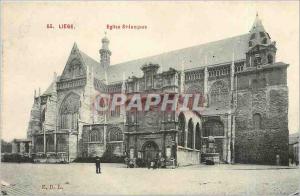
<point>187,157</point>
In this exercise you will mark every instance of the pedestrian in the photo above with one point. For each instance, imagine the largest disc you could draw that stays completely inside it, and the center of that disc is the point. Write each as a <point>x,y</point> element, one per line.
<point>127,162</point>
<point>98,168</point>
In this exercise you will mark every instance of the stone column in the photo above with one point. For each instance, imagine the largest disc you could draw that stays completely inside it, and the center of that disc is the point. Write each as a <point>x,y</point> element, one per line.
<point>44,141</point>
<point>163,145</point>
<point>233,140</point>
<point>205,87</point>
<point>194,136</point>
<point>55,150</point>
<point>228,139</point>
<point>185,137</point>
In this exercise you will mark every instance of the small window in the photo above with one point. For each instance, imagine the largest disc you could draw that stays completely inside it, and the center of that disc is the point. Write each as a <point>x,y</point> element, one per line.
<point>252,36</point>
<point>257,61</point>
<point>262,34</point>
<point>264,41</point>
<point>250,43</point>
<point>270,59</point>
<point>257,121</point>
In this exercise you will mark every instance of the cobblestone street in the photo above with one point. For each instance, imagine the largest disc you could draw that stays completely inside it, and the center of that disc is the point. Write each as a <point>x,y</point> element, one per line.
<point>80,179</point>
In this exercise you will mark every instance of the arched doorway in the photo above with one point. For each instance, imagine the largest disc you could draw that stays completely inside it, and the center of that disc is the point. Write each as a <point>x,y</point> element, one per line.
<point>198,137</point>
<point>150,150</point>
<point>190,137</point>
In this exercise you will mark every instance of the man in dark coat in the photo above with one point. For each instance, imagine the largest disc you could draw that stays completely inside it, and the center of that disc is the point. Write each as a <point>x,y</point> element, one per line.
<point>98,168</point>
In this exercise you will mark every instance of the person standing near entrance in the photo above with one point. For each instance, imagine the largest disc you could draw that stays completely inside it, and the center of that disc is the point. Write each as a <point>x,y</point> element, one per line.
<point>98,168</point>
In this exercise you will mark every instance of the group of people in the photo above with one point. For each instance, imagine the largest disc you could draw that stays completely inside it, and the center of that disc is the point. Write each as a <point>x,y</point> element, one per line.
<point>150,163</point>
<point>156,163</point>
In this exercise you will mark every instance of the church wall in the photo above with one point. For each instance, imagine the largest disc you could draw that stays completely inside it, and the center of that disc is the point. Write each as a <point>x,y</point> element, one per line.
<point>74,149</point>
<point>50,114</point>
<point>261,144</point>
<point>73,146</point>
<point>211,81</point>
<point>187,157</point>
<point>93,148</point>
<point>34,122</point>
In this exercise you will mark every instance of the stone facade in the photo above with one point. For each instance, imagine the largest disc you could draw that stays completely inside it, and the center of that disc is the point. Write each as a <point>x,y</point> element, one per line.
<point>245,109</point>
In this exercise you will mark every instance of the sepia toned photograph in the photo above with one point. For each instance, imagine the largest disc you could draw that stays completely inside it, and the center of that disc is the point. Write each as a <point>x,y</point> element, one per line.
<point>150,98</point>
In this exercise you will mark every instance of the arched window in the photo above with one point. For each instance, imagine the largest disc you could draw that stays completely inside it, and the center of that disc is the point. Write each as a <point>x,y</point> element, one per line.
<point>75,69</point>
<point>219,94</point>
<point>213,128</point>
<point>43,117</point>
<point>181,129</point>
<point>190,141</point>
<point>270,59</point>
<point>256,121</point>
<point>115,134</point>
<point>262,34</point>
<point>69,111</point>
<point>94,136</point>
<point>264,41</point>
<point>250,43</point>
<point>198,137</point>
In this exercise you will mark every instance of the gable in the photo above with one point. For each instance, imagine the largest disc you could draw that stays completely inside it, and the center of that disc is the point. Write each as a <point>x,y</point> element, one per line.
<point>75,67</point>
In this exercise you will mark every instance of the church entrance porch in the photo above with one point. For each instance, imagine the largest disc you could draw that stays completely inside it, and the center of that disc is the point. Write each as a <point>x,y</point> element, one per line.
<point>150,151</point>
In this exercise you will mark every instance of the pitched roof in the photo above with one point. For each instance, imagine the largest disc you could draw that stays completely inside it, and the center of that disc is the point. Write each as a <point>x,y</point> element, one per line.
<point>207,54</point>
<point>193,57</point>
<point>49,90</point>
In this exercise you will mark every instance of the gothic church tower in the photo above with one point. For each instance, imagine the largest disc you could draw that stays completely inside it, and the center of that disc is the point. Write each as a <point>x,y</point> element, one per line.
<point>105,53</point>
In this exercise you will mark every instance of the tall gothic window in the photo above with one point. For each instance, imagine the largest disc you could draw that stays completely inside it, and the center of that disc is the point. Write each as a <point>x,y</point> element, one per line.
<point>256,121</point>
<point>219,94</point>
<point>115,134</point>
<point>43,116</point>
<point>94,136</point>
<point>213,128</point>
<point>264,41</point>
<point>190,142</point>
<point>75,69</point>
<point>181,129</point>
<point>69,112</point>
<point>198,137</point>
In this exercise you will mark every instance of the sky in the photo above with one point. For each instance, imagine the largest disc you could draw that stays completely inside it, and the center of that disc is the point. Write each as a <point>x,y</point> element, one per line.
<point>32,52</point>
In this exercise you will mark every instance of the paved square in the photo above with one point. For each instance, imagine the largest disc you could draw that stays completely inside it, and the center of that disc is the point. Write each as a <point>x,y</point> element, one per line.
<point>81,179</point>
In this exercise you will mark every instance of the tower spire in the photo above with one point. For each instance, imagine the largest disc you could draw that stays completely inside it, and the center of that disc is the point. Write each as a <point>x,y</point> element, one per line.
<point>104,52</point>
<point>257,25</point>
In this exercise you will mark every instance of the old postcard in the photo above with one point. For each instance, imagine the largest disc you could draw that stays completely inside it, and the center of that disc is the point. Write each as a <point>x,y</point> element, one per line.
<point>150,98</point>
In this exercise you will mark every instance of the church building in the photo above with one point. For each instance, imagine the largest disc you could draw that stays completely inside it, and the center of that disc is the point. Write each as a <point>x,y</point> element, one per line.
<point>244,117</point>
